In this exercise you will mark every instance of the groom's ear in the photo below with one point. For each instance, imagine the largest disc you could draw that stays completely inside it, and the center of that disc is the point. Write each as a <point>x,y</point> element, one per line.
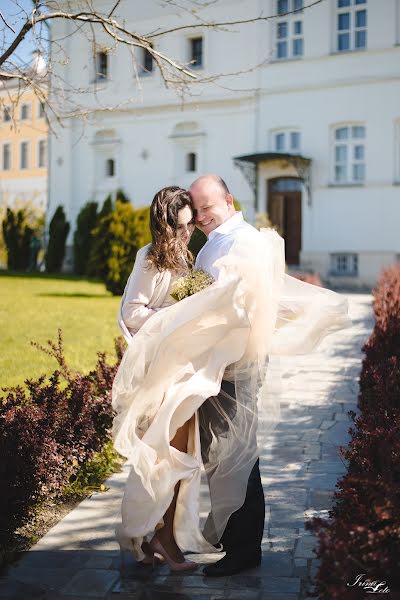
<point>229,200</point>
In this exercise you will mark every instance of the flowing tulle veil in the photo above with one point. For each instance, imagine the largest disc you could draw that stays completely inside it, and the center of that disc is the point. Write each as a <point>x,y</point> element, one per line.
<point>235,330</point>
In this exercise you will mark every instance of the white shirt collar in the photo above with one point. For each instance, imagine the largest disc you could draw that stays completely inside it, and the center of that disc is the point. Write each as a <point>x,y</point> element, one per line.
<point>228,226</point>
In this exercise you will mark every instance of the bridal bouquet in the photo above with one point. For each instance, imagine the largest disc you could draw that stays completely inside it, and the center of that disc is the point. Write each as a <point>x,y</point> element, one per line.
<point>190,284</point>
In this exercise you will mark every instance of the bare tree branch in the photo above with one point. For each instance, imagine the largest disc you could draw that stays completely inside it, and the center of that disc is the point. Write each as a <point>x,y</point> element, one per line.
<point>64,99</point>
<point>5,22</point>
<point>217,24</point>
<point>114,8</point>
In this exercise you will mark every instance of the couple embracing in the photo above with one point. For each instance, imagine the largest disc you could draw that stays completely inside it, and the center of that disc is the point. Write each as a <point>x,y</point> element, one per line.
<point>194,390</point>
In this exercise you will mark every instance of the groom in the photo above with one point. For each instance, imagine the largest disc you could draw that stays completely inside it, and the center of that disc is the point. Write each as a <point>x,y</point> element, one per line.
<point>217,218</point>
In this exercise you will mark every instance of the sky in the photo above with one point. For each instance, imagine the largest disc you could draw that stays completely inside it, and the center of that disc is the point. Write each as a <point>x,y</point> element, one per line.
<point>13,12</point>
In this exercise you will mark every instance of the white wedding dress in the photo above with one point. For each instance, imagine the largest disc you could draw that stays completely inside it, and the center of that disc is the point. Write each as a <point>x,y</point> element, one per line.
<point>232,330</point>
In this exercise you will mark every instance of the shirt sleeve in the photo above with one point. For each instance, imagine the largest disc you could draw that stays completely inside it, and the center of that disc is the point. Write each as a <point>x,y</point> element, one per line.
<point>140,289</point>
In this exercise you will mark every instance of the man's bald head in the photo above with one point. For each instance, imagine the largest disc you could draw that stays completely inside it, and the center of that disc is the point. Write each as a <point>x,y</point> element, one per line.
<point>211,178</point>
<point>212,201</point>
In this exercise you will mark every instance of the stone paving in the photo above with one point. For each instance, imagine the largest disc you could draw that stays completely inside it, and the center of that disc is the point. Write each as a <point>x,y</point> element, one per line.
<point>79,559</point>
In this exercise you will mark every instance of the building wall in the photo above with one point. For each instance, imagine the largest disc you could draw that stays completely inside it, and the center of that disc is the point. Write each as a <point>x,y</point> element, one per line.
<point>150,131</point>
<point>22,184</point>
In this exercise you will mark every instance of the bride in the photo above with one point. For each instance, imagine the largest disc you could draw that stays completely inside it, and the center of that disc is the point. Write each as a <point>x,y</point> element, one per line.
<point>178,355</point>
<point>158,265</point>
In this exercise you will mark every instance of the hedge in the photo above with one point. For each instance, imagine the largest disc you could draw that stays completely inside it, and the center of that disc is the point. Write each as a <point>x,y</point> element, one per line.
<point>362,534</point>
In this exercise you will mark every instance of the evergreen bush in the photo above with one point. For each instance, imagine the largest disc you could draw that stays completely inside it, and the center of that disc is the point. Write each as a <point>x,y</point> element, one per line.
<point>17,235</point>
<point>83,237</point>
<point>100,248</point>
<point>58,232</point>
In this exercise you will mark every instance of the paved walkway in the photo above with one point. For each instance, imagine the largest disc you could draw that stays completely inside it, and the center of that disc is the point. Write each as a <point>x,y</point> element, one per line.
<point>79,559</point>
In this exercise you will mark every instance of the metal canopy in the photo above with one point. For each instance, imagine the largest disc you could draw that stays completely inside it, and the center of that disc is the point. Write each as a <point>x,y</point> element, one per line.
<point>248,164</point>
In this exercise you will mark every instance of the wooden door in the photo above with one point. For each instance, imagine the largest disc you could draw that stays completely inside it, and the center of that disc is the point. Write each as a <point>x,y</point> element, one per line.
<point>284,211</point>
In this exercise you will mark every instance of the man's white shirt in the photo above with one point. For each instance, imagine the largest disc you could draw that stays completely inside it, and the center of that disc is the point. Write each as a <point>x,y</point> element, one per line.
<point>219,243</point>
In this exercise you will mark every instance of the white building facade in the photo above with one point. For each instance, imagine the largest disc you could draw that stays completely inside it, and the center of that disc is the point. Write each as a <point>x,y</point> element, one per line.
<point>311,135</point>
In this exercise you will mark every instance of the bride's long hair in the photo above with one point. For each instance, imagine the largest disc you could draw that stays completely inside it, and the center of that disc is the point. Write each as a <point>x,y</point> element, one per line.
<point>167,251</point>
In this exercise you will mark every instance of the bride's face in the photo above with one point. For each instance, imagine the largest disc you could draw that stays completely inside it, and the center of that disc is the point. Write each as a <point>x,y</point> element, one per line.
<point>184,228</point>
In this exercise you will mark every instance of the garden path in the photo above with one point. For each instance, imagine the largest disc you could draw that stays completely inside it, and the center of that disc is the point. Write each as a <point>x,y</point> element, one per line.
<point>78,559</point>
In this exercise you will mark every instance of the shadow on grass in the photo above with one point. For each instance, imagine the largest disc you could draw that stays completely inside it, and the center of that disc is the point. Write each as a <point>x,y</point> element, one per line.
<point>74,295</point>
<point>44,275</point>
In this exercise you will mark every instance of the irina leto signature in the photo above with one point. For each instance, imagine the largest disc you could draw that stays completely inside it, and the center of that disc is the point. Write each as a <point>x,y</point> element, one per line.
<point>371,587</point>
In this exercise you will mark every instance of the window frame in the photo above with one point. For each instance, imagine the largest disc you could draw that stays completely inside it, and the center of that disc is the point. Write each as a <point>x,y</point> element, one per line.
<point>347,272</point>
<point>191,162</point>
<point>143,70</point>
<point>98,76</point>
<point>287,132</point>
<point>44,141</point>
<point>114,169</point>
<point>291,37</point>
<point>191,41</point>
<point>41,113</point>
<point>27,105</point>
<point>396,177</point>
<point>3,145</point>
<point>352,9</point>
<point>350,142</point>
<point>27,167</point>
<point>6,111</point>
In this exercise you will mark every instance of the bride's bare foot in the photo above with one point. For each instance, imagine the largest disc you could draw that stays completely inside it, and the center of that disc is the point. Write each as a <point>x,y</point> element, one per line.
<point>170,546</point>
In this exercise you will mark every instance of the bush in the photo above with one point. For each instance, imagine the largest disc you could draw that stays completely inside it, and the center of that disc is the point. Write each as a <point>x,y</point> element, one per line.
<point>49,432</point>
<point>128,228</point>
<point>17,235</point>
<point>100,247</point>
<point>58,232</point>
<point>119,234</point>
<point>363,532</point>
<point>83,237</point>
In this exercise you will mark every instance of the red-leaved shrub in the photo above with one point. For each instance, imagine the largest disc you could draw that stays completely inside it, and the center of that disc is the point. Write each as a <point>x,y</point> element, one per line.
<point>362,535</point>
<point>48,431</point>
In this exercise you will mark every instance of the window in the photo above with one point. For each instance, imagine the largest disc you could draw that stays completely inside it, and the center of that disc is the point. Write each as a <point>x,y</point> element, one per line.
<point>289,29</point>
<point>110,167</point>
<point>397,152</point>
<point>191,161</point>
<point>196,52</point>
<point>349,154</point>
<point>42,152</point>
<point>344,264</point>
<point>41,111</point>
<point>6,158</point>
<point>23,155</point>
<point>24,112</point>
<point>146,62</point>
<point>287,141</point>
<point>351,25</point>
<point>6,114</point>
<point>101,65</point>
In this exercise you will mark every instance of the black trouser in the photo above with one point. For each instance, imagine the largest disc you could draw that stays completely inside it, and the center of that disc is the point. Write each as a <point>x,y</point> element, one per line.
<point>245,527</point>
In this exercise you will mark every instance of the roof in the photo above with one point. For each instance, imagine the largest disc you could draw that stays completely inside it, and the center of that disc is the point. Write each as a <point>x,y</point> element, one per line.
<point>270,156</point>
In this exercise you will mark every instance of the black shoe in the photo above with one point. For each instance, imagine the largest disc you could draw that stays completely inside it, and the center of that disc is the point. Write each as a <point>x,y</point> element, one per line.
<point>231,564</point>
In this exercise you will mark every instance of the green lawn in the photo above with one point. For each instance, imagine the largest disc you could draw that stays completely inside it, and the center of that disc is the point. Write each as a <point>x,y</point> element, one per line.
<point>33,306</point>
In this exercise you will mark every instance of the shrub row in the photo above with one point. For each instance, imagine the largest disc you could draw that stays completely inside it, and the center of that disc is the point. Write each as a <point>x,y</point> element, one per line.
<point>48,432</point>
<point>362,535</point>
